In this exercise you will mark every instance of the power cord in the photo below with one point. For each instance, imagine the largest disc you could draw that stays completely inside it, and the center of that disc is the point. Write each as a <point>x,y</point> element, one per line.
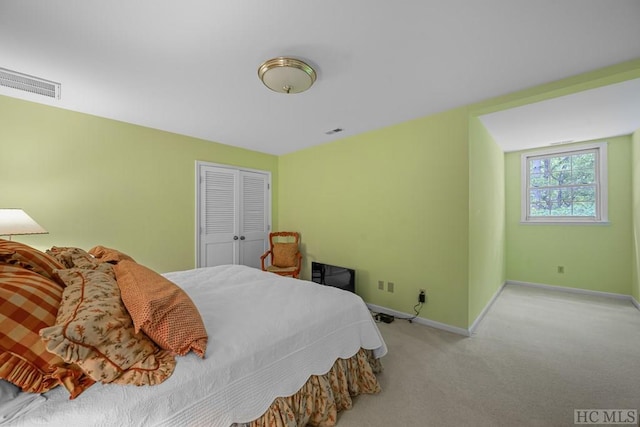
<point>387,318</point>
<point>416,310</point>
<point>382,317</point>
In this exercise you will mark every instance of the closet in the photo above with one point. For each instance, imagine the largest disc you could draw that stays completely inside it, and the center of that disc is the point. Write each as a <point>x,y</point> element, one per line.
<point>233,217</point>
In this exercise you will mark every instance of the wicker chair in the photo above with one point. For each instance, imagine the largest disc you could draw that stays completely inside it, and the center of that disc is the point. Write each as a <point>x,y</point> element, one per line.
<point>286,259</point>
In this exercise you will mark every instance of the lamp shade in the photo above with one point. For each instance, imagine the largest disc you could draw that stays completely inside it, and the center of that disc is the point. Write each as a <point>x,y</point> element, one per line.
<point>16,221</point>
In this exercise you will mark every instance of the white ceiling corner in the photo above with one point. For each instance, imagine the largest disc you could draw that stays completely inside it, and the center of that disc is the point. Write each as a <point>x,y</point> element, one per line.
<point>606,111</point>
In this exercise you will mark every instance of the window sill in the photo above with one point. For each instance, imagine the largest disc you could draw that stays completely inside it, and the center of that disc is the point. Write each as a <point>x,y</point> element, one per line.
<point>565,223</point>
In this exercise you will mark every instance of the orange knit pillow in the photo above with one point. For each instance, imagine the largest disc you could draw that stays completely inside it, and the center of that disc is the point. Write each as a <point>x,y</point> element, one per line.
<point>284,255</point>
<point>161,309</point>
<point>112,256</point>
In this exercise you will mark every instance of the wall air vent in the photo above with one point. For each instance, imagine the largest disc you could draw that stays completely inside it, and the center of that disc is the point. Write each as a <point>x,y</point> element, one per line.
<point>31,84</point>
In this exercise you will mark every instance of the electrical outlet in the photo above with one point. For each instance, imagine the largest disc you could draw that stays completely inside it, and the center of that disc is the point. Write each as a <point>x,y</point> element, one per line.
<point>390,286</point>
<point>422,296</point>
<point>381,285</point>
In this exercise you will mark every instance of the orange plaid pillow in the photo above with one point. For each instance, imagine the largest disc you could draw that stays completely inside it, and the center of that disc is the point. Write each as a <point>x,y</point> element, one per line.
<point>21,255</point>
<point>28,303</point>
<point>161,309</point>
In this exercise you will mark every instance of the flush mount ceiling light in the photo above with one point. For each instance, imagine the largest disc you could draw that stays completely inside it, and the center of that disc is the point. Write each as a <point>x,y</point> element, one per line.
<point>286,75</point>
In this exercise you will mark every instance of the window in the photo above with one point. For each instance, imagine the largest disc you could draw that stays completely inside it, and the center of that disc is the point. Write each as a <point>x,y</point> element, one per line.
<point>567,185</point>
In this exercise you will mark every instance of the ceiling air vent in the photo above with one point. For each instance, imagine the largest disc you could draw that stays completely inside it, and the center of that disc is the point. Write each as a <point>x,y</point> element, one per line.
<point>332,131</point>
<point>31,84</point>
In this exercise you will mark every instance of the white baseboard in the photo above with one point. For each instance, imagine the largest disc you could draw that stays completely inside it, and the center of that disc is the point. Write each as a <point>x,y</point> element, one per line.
<point>577,291</point>
<point>484,311</point>
<point>420,320</point>
<point>476,323</point>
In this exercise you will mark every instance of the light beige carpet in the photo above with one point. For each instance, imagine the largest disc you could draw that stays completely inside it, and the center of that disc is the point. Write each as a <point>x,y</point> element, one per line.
<point>537,355</point>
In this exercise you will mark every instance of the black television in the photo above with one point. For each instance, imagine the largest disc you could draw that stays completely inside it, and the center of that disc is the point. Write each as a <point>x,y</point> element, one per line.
<point>333,275</point>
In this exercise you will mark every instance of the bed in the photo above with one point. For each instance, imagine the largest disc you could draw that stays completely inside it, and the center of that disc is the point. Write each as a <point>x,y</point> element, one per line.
<point>280,352</point>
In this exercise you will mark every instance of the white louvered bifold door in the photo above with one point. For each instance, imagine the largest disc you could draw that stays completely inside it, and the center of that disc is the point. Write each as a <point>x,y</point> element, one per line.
<point>253,217</point>
<point>219,207</point>
<point>233,216</point>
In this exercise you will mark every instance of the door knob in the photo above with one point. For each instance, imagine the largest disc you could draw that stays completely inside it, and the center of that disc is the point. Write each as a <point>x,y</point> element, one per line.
<point>235,237</point>
<point>241,237</point>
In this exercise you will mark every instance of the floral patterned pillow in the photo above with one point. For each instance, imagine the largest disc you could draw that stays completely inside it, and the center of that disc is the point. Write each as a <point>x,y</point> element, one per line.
<point>94,330</point>
<point>71,257</point>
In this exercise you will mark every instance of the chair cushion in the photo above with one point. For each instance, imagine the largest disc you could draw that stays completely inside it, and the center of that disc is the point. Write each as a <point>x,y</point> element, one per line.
<point>281,270</point>
<point>161,309</point>
<point>284,255</point>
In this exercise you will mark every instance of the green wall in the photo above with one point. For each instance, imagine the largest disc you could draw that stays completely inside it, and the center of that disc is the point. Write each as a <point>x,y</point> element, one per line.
<point>595,257</point>
<point>635,169</point>
<point>427,203</point>
<point>93,181</point>
<point>486,218</point>
<point>393,204</point>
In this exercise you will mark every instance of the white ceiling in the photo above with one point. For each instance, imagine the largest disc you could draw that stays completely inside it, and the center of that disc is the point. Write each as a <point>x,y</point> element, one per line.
<point>190,66</point>
<point>597,113</point>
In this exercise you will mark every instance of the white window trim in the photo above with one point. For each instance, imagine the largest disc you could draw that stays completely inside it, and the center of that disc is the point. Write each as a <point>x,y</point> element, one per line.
<point>602,193</point>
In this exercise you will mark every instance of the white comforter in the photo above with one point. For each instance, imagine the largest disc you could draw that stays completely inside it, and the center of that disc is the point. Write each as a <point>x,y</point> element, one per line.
<point>267,335</point>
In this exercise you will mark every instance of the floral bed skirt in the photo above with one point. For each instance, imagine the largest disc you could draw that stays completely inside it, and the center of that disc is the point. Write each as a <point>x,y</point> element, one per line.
<point>320,399</point>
